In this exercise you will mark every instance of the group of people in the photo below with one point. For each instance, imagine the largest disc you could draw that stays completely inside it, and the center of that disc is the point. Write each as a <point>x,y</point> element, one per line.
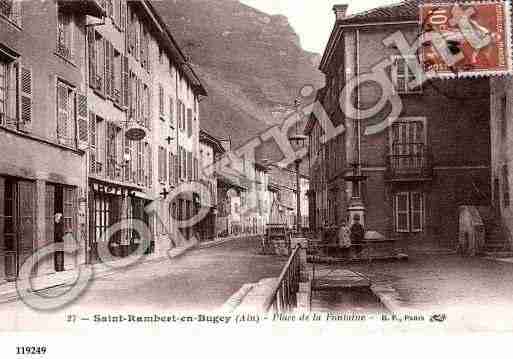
<point>348,236</point>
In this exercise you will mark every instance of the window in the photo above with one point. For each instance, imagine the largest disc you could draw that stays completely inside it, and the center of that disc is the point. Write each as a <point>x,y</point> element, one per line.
<point>505,186</point>
<point>65,114</point>
<point>117,63</point>
<point>189,166</point>
<point>146,106</point>
<point>504,116</point>
<point>141,177</point>
<point>409,212</point>
<point>162,159</point>
<point>161,102</point>
<point>183,159</point>
<point>196,169</point>
<point>113,168</point>
<point>171,166</point>
<point>403,76</point>
<point>11,10</point>
<point>171,111</point>
<point>95,141</point>
<point>8,86</point>
<point>189,122</point>
<point>64,34</point>
<point>96,60</point>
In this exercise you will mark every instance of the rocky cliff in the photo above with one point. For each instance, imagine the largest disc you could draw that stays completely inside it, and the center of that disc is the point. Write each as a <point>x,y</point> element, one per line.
<point>251,63</point>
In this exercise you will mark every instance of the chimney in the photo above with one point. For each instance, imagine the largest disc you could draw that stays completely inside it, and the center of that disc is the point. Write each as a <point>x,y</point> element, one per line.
<point>340,11</point>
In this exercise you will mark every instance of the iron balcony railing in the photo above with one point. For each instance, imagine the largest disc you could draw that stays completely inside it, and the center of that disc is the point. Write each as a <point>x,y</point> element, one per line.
<point>284,296</point>
<point>11,10</point>
<point>409,161</point>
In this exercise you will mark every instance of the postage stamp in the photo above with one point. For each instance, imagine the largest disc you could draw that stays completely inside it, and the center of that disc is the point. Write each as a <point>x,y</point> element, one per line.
<point>466,39</point>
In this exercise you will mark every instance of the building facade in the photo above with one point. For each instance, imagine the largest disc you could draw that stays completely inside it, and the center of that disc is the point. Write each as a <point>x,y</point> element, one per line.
<point>419,169</point>
<point>79,88</point>
<point>211,150</point>
<point>43,125</point>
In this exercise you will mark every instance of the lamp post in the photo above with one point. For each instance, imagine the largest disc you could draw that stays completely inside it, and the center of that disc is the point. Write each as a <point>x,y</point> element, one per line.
<point>298,141</point>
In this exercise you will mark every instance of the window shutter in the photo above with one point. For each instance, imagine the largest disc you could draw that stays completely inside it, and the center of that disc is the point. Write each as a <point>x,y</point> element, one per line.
<point>92,56</point>
<point>92,143</point>
<point>82,122</point>
<point>150,166</point>
<point>171,166</point>
<point>25,98</point>
<point>171,111</point>
<point>62,113</point>
<point>189,166</point>
<point>184,118</point>
<point>179,164</point>
<point>177,167</point>
<point>125,81</point>
<point>106,63</point>
<point>122,12</point>
<point>189,122</point>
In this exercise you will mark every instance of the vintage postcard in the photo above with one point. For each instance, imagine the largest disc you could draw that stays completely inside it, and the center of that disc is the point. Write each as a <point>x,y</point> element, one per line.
<point>232,166</point>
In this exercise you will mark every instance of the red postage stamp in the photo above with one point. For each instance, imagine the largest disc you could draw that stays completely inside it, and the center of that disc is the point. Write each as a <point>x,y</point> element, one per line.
<point>466,39</point>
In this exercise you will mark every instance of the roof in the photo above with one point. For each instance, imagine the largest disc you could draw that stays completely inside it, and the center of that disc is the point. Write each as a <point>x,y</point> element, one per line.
<point>216,144</point>
<point>184,65</point>
<point>403,11</point>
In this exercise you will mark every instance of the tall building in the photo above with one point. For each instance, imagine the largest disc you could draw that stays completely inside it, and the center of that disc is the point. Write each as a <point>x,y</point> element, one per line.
<point>139,80</point>
<point>99,121</point>
<point>408,180</point>
<point>43,129</point>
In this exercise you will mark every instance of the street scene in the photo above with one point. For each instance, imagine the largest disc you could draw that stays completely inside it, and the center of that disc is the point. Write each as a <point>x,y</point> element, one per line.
<point>205,160</point>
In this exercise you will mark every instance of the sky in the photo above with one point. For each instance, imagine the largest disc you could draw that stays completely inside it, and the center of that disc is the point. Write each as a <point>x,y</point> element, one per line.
<point>313,19</point>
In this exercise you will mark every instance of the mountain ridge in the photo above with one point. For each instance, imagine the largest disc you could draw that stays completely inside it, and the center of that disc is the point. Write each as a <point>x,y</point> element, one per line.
<point>250,62</point>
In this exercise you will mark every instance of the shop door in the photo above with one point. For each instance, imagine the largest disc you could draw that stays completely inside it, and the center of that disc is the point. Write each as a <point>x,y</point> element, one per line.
<point>17,209</point>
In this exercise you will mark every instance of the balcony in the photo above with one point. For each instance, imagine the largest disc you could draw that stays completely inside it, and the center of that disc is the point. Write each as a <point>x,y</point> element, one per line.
<point>96,8</point>
<point>409,162</point>
<point>63,50</point>
<point>11,10</point>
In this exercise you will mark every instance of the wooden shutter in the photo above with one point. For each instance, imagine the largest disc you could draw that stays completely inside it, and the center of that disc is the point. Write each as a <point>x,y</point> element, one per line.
<point>189,166</point>
<point>179,164</point>
<point>125,81</point>
<point>92,143</point>
<point>82,122</point>
<point>25,98</point>
<point>171,111</point>
<point>177,168</point>
<point>26,203</point>
<point>91,41</point>
<point>150,166</point>
<point>189,122</point>
<point>122,14</point>
<point>62,113</point>
<point>184,118</point>
<point>171,167</point>
<point>106,64</point>
<point>164,165</point>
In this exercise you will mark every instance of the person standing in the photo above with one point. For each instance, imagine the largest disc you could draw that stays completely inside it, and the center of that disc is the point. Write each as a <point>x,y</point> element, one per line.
<point>59,238</point>
<point>344,239</point>
<point>357,233</point>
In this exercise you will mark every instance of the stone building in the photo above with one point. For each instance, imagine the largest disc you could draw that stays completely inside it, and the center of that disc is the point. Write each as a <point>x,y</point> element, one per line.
<point>416,172</point>
<point>140,79</point>
<point>79,88</point>
<point>211,149</point>
<point>43,128</point>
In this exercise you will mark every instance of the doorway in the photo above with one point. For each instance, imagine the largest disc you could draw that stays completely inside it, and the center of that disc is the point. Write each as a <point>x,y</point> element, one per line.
<point>17,212</point>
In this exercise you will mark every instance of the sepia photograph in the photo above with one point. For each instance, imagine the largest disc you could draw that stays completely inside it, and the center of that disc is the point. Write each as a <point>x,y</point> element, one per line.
<point>277,165</point>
